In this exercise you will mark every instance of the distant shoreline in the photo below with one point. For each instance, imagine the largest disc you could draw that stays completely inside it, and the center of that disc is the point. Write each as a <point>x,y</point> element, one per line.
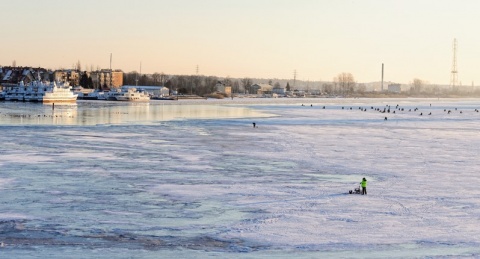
<point>404,95</point>
<point>307,101</point>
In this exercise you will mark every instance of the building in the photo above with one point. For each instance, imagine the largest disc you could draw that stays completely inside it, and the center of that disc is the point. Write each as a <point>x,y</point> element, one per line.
<point>228,90</point>
<point>15,75</point>
<point>394,88</point>
<point>102,79</point>
<point>222,88</point>
<point>117,78</point>
<point>261,89</point>
<point>106,78</point>
<point>67,75</point>
<point>279,90</point>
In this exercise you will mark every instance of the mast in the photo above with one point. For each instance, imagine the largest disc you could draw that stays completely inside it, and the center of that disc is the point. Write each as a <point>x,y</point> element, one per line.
<point>111,72</point>
<point>136,79</point>
<point>294,78</point>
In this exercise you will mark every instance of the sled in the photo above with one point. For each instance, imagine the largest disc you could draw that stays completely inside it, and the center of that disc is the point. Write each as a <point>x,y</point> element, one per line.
<point>355,191</point>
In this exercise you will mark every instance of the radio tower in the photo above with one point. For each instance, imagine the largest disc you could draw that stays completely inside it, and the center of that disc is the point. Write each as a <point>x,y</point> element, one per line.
<point>454,76</point>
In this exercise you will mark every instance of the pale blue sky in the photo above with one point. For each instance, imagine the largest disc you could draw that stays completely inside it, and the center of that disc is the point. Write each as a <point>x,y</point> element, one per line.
<point>249,38</point>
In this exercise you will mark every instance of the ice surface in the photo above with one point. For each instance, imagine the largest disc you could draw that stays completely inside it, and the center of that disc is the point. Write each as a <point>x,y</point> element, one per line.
<point>147,185</point>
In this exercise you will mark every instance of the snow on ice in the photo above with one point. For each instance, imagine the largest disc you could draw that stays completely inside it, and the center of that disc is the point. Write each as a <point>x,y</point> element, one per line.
<point>128,181</point>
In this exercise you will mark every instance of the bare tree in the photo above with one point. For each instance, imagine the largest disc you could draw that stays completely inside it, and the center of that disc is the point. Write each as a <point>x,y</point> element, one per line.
<point>179,82</point>
<point>361,88</point>
<point>236,86</point>
<point>163,78</point>
<point>346,82</point>
<point>209,87</point>
<point>130,78</point>
<point>143,80</point>
<point>417,86</point>
<point>435,89</point>
<point>227,81</point>
<point>327,88</point>
<point>156,78</point>
<point>246,83</point>
<point>197,82</point>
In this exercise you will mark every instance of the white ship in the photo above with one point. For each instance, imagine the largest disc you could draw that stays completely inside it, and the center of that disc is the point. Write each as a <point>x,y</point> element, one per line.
<point>59,94</point>
<point>132,95</point>
<point>38,91</point>
<point>112,94</point>
<point>95,95</point>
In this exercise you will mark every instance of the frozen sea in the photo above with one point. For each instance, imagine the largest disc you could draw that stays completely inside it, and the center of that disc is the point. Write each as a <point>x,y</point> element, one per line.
<point>194,179</point>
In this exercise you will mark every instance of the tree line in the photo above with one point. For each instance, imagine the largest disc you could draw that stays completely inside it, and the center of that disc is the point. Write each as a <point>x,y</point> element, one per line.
<point>187,84</point>
<point>342,84</point>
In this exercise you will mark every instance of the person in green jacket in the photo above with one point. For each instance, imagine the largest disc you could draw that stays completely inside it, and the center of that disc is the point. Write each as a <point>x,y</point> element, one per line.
<point>364,186</point>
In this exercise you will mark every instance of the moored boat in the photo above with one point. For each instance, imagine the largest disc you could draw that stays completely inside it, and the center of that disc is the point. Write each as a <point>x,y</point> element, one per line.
<point>61,93</point>
<point>132,95</point>
<point>95,95</point>
<point>15,94</point>
<point>38,91</point>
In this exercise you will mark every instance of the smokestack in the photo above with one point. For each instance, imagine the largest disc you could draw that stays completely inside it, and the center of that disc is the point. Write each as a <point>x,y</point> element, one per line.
<point>110,61</point>
<point>382,77</point>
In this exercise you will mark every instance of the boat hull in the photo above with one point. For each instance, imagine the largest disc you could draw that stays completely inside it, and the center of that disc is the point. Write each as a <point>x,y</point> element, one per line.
<point>60,101</point>
<point>123,99</point>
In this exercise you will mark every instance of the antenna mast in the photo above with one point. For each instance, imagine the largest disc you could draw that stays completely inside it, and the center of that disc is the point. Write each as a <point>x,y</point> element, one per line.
<point>136,79</point>
<point>454,72</point>
<point>294,78</point>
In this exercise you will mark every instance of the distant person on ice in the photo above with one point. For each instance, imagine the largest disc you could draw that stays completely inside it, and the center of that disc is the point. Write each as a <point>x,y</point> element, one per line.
<point>364,186</point>
<point>254,125</point>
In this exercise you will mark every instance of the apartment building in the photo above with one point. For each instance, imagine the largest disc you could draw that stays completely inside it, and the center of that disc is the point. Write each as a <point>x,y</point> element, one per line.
<point>106,78</point>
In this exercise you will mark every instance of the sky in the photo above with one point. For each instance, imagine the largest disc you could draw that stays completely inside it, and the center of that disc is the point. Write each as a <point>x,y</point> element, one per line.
<point>317,39</point>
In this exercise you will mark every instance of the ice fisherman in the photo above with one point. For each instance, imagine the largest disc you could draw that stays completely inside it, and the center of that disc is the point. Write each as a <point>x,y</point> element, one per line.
<point>363,183</point>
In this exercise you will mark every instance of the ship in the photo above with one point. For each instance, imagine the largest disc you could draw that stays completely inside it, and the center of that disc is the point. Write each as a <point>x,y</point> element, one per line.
<point>61,93</point>
<point>37,91</point>
<point>132,95</point>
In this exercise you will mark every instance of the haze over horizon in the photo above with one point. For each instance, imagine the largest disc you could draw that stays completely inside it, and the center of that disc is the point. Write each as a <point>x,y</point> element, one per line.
<point>248,38</point>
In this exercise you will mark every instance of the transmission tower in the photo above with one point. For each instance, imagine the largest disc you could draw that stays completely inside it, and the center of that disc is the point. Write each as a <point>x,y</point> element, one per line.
<point>454,73</point>
<point>382,77</point>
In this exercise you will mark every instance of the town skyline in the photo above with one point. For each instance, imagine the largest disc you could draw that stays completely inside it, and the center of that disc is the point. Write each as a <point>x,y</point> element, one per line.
<point>317,40</point>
